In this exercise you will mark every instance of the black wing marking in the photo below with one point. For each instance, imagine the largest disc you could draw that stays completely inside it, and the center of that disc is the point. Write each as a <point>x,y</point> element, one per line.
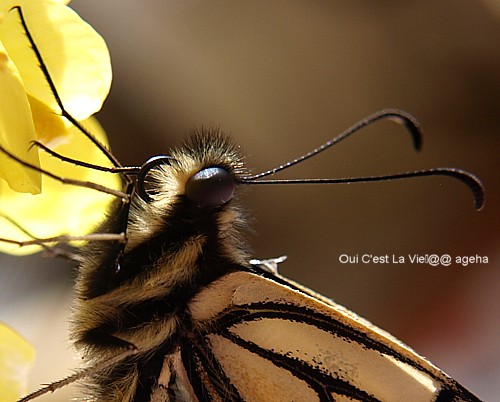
<point>255,339</point>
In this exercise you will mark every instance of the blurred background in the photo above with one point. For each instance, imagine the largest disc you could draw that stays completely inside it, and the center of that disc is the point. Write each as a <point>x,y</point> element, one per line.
<point>282,77</point>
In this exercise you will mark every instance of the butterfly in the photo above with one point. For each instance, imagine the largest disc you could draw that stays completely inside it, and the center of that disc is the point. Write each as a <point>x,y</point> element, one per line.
<point>170,305</point>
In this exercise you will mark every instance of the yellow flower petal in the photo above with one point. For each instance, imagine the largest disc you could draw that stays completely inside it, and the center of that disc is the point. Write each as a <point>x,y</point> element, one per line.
<point>75,54</point>
<point>50,128</point>
<point>60,209</point>
<point>16,359</point>
<point>16,129</point>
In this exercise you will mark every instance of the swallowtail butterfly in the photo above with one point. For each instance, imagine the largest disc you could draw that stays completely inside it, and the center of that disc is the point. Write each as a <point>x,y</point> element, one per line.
<point>171,307</point>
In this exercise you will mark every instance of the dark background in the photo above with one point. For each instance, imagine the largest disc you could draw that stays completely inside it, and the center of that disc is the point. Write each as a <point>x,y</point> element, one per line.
<point>282,77</point>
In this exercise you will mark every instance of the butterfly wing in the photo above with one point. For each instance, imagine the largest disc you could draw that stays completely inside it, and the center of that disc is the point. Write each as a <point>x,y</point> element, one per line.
<point>256,338</point>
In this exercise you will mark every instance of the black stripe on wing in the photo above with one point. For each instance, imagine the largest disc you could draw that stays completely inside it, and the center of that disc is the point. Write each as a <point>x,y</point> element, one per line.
<point>205,373</point>
<point>290,312</point>
<point>323,384</point>
<point>451,390</point>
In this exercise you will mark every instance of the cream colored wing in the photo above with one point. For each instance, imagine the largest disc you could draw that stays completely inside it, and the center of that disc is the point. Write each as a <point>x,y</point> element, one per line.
<point>257,338</point>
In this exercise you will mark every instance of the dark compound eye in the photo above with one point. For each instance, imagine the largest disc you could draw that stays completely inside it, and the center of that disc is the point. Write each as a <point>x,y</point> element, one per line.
<point>210,187</point>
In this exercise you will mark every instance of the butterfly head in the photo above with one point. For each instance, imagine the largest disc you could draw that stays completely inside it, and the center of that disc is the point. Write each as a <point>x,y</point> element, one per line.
<point>202,172</point>
<point>194,186</point>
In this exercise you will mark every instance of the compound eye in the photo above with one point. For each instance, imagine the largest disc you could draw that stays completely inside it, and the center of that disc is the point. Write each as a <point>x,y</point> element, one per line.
<point>210,187</point>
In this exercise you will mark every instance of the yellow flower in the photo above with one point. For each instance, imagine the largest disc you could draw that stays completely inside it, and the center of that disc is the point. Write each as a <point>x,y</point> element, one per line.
<point>78,62</point>
<point>59,209</point>
<point>16,359</point>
